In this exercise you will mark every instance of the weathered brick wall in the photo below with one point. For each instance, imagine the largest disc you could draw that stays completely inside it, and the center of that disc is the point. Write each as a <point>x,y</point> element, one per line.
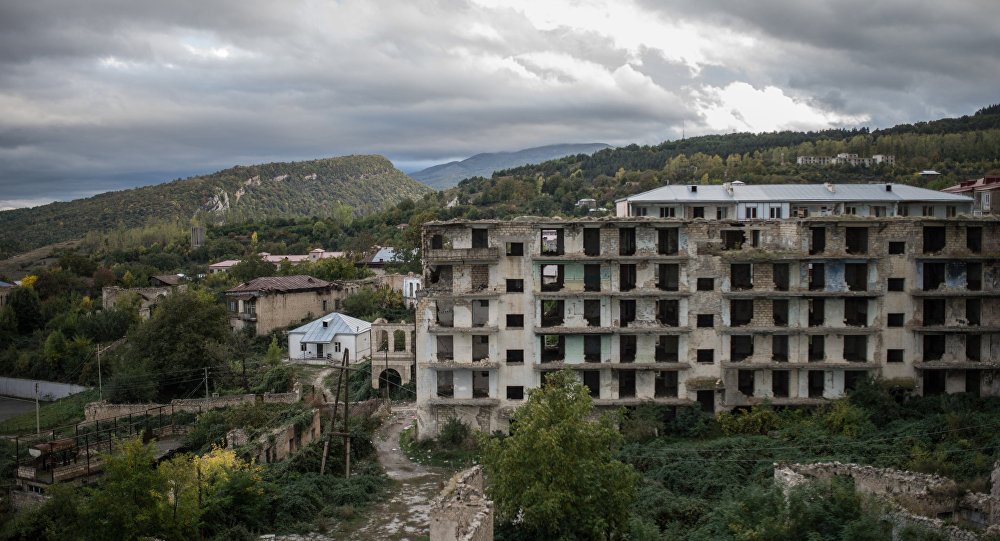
<point>461,512</point>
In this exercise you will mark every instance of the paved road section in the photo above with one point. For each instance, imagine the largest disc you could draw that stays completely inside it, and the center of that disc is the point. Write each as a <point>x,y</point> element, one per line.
<point>11,407</point>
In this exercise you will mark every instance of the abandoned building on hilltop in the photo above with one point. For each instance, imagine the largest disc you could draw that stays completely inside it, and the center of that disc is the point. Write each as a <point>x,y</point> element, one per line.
<point>723,296</point>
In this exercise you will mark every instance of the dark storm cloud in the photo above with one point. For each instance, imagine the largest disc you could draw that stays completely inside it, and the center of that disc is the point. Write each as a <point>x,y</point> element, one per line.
<point>111,93</point>
<point>898,60</point>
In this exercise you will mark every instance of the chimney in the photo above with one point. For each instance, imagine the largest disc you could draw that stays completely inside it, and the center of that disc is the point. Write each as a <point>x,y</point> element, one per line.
<point>830,187</point>
<point>888,187</point>
<point>694,188</point>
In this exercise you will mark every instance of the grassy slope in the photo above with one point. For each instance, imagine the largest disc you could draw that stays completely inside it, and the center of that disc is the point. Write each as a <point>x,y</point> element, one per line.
<point>52,414</point>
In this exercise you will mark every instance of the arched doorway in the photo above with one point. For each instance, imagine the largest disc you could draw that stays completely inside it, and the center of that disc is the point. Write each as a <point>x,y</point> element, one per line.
<point>391,378</point>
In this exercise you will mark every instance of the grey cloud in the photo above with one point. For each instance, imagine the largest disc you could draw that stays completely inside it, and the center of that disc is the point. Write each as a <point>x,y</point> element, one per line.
<point>106,93</point>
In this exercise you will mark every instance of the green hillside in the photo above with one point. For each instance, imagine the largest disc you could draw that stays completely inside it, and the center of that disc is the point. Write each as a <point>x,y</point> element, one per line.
<point>309,188</point>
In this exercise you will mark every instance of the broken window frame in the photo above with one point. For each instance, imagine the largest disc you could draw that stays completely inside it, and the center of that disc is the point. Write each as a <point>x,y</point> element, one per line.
<point>552,246</point>
<point>626,241</point>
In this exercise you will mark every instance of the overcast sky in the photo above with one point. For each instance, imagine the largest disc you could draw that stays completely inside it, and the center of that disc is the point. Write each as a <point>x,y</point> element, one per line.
<point>110,94</point>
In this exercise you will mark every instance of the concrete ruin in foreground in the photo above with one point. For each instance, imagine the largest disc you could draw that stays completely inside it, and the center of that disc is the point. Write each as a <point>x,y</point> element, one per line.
<point>924,500</point>
<point>718,312</point>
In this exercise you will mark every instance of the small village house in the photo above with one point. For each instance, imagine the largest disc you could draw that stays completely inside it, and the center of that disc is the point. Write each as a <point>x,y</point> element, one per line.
<point>332,336</point>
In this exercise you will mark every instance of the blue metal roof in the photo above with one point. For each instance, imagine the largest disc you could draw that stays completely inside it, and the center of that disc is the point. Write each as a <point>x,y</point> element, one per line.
<point>336,323</point>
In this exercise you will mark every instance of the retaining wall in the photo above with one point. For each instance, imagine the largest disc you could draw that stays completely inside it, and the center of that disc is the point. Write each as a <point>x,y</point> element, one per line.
<point>98,411</point>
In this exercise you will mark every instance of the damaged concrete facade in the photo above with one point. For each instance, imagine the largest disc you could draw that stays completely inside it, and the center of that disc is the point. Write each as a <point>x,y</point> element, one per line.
<point>721,313</point>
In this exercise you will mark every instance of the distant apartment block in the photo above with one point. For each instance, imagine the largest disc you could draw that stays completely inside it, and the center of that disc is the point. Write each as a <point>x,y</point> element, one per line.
<point>728,311</point>
<point>847,159</point>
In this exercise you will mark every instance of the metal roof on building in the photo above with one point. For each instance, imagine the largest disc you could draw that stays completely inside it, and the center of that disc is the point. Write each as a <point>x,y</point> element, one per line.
<point>336,323</point>
<point>740,193</point>
<point>281,284</point>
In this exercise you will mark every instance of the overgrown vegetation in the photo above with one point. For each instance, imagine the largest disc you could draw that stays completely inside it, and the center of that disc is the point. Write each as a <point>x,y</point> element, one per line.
<point>215,493</point>
<point>707,479</point>
<point>455,447</point>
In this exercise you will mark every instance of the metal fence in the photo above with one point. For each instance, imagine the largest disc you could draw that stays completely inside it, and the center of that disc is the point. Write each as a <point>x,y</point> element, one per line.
<point>47,390</point>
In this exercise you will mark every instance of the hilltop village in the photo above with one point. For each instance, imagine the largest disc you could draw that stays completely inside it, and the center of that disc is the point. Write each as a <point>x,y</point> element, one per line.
<point>788,324</point>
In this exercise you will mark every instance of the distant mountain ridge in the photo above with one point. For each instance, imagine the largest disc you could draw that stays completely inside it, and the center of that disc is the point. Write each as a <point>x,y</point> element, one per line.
<point>449,174</point>
<point>365,183</point>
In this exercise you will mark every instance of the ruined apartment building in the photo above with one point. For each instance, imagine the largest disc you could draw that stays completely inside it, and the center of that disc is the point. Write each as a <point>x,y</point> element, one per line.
<point>718,312</point>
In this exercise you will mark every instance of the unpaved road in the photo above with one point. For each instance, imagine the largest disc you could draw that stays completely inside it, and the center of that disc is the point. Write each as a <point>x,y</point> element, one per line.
<point>404,515</point>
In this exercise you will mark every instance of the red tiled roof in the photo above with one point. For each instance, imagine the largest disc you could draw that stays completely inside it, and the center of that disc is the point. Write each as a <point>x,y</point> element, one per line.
<point>985,183</point>
<point>301,282</point>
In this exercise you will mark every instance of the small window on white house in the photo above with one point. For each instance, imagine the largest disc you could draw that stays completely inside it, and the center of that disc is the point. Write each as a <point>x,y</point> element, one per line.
<point>336,347</point>
<point>928,210</point>
<point>952,211</point>
<point>775,213</point>
<point>667,212</point>
<point>642,211</point>
<point>986,201</point>
<point>302,347</point>
<point>850,210</point>
<point>751,213</point>
<point>721,213</point>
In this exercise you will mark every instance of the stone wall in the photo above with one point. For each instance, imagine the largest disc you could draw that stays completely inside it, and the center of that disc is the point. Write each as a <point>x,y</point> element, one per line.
<point>461,512</point>
<point>925,499</point>
<point>279,443</point>
<point>99,411</point>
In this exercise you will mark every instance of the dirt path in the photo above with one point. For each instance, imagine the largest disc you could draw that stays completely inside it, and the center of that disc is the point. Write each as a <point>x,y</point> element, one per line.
<point>318,383</point>
<point>404,515</point>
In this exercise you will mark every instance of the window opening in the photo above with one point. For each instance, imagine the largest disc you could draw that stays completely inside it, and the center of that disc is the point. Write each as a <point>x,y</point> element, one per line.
<point>740,312</point>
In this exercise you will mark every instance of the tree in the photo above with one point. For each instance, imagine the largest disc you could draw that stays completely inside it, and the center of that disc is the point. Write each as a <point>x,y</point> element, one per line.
<point>557,470</point>
<point>124,506</point>
<point>55,348</point>
<point>27,308</point>
<point>252,267</point>
<point>273,356</point>
<point>178,340</point>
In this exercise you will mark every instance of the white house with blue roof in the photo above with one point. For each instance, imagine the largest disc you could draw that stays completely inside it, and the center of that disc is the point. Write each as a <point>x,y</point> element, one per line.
<point>331,337</point>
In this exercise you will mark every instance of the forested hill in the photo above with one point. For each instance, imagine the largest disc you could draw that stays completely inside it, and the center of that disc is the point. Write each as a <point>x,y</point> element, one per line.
<point>449,174</point>
<point>309,188</point>
<point>958,148</point>
<point>923,145</point>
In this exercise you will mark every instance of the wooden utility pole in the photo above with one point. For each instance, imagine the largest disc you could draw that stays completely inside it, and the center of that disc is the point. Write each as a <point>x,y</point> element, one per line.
<point>344,377</point>
<point>347,426</point>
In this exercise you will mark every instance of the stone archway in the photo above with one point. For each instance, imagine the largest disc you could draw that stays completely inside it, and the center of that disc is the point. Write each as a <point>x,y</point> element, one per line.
<point>391,377</point>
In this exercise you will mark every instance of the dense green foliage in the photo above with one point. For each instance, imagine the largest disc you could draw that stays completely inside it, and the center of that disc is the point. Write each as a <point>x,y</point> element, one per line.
<point>215,493</point>
<point>309,188</point>
<point>185,334</point>
<point>691,486</point>
<point>557,471</point>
